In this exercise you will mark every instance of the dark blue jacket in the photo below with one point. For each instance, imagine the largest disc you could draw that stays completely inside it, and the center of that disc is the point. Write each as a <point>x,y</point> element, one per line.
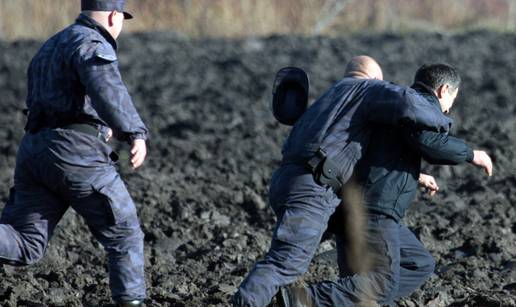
<point>74,78</point>
<point>391,165</point>
<point>341,120</point>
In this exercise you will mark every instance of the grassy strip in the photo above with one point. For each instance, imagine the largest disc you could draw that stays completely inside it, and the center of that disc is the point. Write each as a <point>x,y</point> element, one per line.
<point>236,18</point>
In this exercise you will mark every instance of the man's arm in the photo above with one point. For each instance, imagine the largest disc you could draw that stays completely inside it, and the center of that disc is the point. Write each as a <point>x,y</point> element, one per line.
<point>391,104</point>
<point>443,149</point>
<point>439,148</point>
<point>109,96</point>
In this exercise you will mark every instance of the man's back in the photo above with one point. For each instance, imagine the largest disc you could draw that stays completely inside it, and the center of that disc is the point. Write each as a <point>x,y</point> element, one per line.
<point>340,121</point>
<point>54,84</point>
<point>74,78</point>
<point>309,131</point>
<point>76,97</point>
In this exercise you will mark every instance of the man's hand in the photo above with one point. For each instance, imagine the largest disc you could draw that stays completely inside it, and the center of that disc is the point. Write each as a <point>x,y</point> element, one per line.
<point>482,159</point>
<point>428,182</point>
<point>109,134</point>
<point>138,153</point>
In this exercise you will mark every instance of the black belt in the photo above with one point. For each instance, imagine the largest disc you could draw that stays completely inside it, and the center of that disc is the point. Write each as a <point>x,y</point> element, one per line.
<point>87,129</point>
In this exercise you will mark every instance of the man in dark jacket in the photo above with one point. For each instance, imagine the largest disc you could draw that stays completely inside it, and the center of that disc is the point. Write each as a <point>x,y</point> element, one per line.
<point>389,173</point>
<point>340,124</point>
<point>76,101</point>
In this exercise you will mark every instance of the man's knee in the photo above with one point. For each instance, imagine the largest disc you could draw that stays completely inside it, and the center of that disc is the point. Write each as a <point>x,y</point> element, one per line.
<point>297,236</point>
<point>135,240</point>
<point>33,257</point>
<point>240,300</point>
<point>32,252</point>
<point>134,231</point>
<point>22,246</point>
<point>123,237</point>
<point>386,286</point>
<point>289,259</point>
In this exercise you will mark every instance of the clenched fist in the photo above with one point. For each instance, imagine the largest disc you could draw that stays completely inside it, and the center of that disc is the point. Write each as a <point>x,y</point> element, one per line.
<point>428,182</point>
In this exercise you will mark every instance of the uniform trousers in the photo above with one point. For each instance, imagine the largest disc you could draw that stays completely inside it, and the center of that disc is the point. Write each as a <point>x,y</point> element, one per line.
<point>57,169</point>
<point>303,209</point>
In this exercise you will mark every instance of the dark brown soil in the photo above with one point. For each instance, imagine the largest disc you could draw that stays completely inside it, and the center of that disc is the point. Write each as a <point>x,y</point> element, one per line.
<point>202,193</point>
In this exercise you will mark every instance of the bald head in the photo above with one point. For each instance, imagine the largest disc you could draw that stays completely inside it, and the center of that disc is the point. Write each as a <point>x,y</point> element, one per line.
<point>363,67</point>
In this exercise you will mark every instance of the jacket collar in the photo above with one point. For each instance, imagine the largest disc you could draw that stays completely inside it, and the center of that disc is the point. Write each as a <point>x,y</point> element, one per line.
<point>426,91</point>
<point>90,23</point>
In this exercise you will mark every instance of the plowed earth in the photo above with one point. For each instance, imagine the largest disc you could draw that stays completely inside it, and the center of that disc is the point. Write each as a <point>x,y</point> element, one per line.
<point>201,195</point>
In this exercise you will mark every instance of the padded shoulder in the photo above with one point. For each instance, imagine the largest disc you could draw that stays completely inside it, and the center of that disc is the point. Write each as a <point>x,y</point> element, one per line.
<point>105,51</point>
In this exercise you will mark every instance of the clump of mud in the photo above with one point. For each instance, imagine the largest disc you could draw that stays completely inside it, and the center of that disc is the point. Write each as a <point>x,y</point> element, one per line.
<point>201,196</point>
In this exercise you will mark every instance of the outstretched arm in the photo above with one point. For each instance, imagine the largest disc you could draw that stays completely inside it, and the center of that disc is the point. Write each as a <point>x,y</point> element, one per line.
<point>439,148</point>
<point>443,149</point>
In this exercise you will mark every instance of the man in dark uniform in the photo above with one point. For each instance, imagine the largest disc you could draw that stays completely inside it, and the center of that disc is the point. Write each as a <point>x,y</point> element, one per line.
<point>76,101</point>
<point>388,174</point>
<point>333,133</point>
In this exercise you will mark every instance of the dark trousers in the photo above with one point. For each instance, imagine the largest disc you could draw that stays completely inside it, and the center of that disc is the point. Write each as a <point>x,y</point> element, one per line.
<point>57,169</point>
<point>303,209</point>
<point>400,265</point>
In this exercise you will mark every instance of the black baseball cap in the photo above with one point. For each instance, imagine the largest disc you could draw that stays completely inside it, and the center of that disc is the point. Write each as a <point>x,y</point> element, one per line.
<point>105,5</point>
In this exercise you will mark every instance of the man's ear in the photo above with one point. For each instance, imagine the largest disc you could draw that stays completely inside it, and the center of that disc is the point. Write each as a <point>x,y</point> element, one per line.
<point>441,90</point>
<point>110,18</point>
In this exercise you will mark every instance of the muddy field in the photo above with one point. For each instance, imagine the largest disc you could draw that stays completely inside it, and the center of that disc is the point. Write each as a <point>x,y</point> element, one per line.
<point>201,195</point>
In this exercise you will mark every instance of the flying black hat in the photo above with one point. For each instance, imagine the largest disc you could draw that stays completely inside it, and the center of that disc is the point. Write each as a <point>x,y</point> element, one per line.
<point>290,95</point>
<point>105,5</point>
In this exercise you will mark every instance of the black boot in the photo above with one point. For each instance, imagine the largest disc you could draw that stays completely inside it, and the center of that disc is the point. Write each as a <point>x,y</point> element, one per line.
<point>294,296</point>
<point>135,303</point>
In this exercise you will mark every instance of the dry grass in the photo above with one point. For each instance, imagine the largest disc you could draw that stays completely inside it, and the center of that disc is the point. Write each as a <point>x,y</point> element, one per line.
<point>234,18</point>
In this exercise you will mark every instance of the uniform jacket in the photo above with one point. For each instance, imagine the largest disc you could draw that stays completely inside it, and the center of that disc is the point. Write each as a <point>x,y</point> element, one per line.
<point>390,168</point>
<point>74,78</point>
<point>341,120</point>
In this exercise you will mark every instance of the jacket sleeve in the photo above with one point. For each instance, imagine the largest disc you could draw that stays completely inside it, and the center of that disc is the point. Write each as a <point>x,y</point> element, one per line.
<point>439,148</point>
<point>391,104</point>
<point>109,97</point>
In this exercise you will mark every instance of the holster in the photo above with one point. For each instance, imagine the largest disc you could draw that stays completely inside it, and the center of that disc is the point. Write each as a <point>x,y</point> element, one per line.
<point>324,170</point>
